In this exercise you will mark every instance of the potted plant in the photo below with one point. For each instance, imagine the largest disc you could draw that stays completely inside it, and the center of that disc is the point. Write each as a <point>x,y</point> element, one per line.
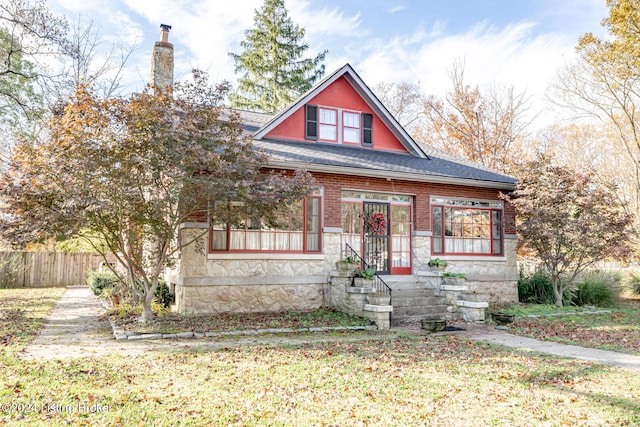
<point>453,278</point>
<point>437,263</point>
<point>364,277</point>
<point>349,263</point>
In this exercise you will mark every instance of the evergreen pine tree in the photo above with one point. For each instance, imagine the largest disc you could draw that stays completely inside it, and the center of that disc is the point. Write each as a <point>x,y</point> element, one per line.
<point>272,71</point>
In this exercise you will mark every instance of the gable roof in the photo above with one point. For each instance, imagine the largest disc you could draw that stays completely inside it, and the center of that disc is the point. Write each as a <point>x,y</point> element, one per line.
<point>353,160</point>
<point>367,95</point>
<point>416,165</point>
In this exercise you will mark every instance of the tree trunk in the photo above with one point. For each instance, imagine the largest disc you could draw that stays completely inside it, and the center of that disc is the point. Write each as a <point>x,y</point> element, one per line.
<point>555,282</point>
<point>147,313</point>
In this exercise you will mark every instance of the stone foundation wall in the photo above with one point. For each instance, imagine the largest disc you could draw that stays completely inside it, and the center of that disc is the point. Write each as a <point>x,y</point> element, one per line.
<point>236,298</point>
<point>245,282</point>
<point>251,282</point>
<point>497,279</point>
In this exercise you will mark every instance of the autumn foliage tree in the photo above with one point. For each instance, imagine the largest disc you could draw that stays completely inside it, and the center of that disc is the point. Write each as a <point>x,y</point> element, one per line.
<point>481,127</point>
<point>132,170</point>
<point>603,85</point>
<point>568,219</point>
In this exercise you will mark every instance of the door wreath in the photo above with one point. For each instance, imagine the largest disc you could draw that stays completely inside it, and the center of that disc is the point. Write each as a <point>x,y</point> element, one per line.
<point>377,224</point>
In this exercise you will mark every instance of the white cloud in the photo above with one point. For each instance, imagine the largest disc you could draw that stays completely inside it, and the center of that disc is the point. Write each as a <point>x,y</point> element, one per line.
<point>508,56</point>
<point>524,54</point>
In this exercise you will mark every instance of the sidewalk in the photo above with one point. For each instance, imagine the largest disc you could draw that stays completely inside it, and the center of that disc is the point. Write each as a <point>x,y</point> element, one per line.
<point>488,333</point>
<point>74,329</point>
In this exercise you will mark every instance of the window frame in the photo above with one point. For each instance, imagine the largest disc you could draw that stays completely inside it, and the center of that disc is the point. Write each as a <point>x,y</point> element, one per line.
<point>314,124</point>
<point>496,222</point>
<point>358,139</point>
<point>336,126</point>
<point>305,217</point>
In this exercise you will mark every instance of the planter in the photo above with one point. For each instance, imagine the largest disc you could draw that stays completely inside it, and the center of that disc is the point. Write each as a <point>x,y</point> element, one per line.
<point>362,282</point>
<point>453,281</point>
<point>346,266</point>
<point>379,299</point>
<point>433,325</point>
<point>503,318</point>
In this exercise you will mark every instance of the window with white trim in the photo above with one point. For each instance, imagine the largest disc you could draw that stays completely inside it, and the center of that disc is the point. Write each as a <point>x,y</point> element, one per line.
<point>466,227</point>
<point>328,124</point>
<point>351,127</point>
<point>295,229</point>
<point>337,125</point>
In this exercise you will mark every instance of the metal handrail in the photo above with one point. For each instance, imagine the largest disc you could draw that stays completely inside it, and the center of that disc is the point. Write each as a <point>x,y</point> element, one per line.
<point>378,283</point>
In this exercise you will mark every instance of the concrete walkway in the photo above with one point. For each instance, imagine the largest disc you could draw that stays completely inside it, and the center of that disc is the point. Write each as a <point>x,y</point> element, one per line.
<point>488,333</point>
<point>74,329</point>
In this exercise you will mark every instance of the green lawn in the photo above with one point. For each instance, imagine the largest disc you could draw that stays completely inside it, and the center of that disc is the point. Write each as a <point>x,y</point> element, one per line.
<point>433,380</point>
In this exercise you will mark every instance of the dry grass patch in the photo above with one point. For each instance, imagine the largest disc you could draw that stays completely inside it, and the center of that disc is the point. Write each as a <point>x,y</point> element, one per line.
<point>432,380</point>
<point>618,330</point>
<point>407,381</point>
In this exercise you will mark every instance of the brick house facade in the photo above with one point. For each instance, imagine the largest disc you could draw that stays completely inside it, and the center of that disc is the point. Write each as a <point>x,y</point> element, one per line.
<point>367,169</point>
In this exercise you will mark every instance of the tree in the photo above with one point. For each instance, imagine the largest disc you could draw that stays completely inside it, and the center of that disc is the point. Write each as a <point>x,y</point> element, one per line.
<point>603,85</point>
<point>42,61</point>
<point>568,220</point>
<point>403,100</point>
<point>132,170</point>
<point>479,127</point>
<point>273,73</point>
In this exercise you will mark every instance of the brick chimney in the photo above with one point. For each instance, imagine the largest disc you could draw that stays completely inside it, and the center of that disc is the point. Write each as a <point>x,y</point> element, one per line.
<point>162,60</point>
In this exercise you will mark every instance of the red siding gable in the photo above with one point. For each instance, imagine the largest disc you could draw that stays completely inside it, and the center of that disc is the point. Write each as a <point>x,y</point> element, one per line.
<point>339,94</point>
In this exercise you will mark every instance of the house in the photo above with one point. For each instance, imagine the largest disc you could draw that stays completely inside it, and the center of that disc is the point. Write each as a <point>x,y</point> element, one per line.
<point>380,195</point>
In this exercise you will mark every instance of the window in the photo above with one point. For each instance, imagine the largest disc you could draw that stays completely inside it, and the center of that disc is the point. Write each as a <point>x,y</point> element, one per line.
<point>337,125</point>
<point>351,127</point>
<point>295,229</point>
<point>463,227</point>
<point>328,124</point>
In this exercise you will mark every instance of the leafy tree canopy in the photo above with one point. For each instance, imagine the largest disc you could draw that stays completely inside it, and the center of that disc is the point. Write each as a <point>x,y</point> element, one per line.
<point>568,219</point>
<point>125,173</point>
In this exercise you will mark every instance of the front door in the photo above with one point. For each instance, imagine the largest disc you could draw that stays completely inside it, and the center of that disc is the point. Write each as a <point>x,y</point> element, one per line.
<point>376,236</point>
<point>378,226</point>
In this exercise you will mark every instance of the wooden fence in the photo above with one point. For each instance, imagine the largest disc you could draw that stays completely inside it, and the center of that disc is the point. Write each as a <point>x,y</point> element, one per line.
<point>42,269</point>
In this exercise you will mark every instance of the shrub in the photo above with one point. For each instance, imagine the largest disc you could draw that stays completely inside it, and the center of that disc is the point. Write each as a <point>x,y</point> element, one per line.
<point>535,288</point>
<point>632,283</point>
<point>99,281</point>
<point>163,295</point>
<point>597,288</point>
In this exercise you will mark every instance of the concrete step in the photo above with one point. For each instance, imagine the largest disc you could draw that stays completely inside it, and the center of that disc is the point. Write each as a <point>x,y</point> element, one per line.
<point>418,301</point>
<point>426,311</point>
<point>413,293</point>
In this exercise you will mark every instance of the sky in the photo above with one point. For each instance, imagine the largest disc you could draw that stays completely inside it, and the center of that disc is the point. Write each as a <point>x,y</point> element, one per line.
<point>519,43</point>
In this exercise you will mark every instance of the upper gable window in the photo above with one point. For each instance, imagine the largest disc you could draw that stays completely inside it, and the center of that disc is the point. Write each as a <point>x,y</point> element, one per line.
<point>337,125</point>
<point>328,124</point>
<point>351,127</point>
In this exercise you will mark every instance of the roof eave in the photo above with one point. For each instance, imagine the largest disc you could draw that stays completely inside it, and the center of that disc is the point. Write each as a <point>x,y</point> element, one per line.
<point>373,173</point>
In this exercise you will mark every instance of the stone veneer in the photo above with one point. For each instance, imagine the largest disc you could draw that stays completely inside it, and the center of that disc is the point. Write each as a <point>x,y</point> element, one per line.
<point>251,282</point>
<point>254,282</point>
<point>497,279</point>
